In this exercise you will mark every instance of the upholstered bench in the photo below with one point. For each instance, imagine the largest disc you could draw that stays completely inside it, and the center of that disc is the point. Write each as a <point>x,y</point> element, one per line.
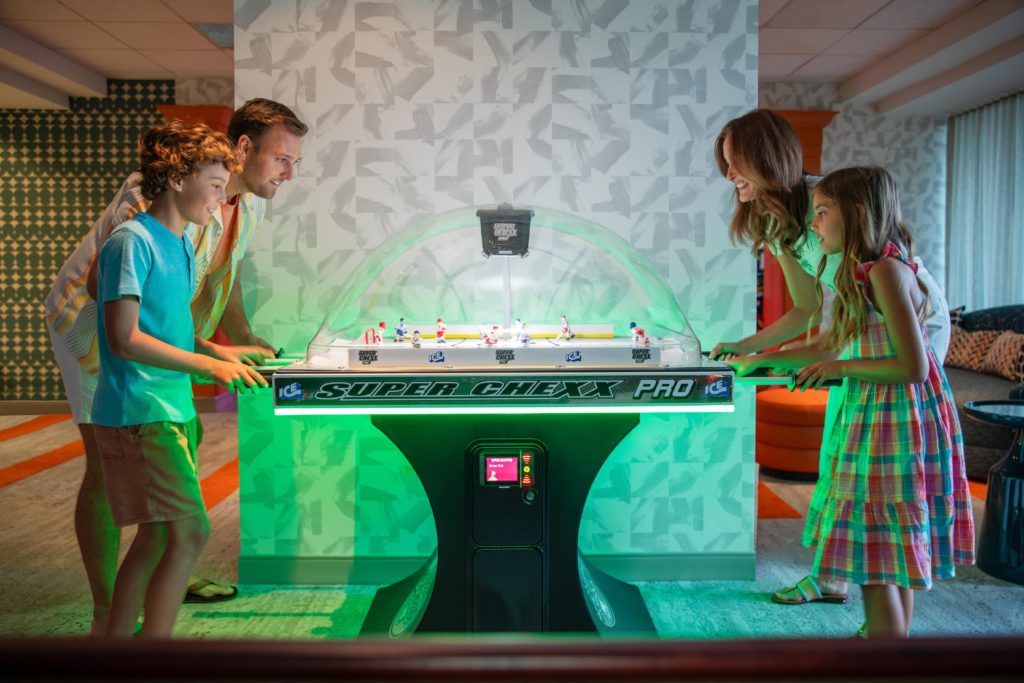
<point>982,365</point>
<point>789,429</point>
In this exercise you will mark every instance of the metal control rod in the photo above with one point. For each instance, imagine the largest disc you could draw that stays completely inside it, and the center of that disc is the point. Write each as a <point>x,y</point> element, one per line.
<point>762,377</point>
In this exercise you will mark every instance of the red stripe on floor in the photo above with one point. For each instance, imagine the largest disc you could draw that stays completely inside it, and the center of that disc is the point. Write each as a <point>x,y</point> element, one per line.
<point>43,461</point>
<point>219,485</point>
<point>771,506</point>
<point>29,426</point>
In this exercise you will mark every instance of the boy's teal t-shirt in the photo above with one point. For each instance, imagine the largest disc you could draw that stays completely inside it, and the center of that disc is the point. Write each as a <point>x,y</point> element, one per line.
<point>144,259</point>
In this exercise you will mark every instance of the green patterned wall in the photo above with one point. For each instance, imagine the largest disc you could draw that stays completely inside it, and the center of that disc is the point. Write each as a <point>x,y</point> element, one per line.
<point>58,171</point>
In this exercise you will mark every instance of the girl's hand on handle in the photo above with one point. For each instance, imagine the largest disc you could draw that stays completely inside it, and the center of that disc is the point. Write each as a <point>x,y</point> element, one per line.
<point>816,375</point>
<point>236,377</point>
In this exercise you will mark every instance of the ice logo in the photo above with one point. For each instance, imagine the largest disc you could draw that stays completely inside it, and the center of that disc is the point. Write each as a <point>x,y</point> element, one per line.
<point>717,388</point>
<point>290,392</point>
<point>436,357</point>
<point>574,357</point>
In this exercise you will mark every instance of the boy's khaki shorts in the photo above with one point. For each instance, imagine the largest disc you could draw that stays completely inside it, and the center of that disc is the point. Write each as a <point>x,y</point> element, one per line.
<point>150,471</point>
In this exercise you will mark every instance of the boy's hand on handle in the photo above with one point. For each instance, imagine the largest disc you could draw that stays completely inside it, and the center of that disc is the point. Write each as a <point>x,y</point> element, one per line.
<point>235,377</point>
<point>818,375</point>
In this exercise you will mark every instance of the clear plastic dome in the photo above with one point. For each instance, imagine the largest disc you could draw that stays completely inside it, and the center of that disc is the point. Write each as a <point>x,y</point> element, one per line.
<point>612,300</point>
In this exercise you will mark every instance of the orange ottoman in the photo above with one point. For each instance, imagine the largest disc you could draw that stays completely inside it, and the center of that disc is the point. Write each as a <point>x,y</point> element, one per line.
<point>789,430</point>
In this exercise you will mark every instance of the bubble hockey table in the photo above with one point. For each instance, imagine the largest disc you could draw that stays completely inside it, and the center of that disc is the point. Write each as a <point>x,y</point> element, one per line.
<point>506,456</point>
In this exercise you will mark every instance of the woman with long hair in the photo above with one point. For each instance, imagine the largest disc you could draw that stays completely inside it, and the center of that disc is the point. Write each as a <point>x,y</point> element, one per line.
<point>760,154</point>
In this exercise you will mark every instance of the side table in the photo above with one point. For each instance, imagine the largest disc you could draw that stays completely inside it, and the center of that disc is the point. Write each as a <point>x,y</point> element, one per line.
<point>1001,546</point>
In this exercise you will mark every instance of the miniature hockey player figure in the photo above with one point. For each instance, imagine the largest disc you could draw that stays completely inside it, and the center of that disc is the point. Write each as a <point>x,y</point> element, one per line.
<point>566,332</point>
<point>416,339</point>
<point>401,330</point>
<point>490,336</point>
<point>441,327</point>
<point>640,337</point>
<point>375,335</point>
<point>486,334</point>
<point>521,334</point>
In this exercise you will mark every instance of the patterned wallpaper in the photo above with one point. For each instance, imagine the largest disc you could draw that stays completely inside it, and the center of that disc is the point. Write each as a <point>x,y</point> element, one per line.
<point>58,171</point>
<point>607,109</point>
<point>604,108</point>
<point>912,148</point>
<point>205,91</point>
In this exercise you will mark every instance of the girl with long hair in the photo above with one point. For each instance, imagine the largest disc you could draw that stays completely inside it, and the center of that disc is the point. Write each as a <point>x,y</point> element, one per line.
<point>894,511</point>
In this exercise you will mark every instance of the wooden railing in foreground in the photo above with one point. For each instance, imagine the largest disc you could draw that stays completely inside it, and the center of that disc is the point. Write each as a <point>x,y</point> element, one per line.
<point>515,658</point>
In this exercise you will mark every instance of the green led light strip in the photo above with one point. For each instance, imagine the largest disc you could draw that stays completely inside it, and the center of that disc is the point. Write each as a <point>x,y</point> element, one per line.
<point>504,410</point>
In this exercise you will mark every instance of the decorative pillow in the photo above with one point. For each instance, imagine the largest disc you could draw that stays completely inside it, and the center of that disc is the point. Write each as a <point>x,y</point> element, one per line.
<point>967,349</point>
<point>1005,357</point>
<point>955,314</point>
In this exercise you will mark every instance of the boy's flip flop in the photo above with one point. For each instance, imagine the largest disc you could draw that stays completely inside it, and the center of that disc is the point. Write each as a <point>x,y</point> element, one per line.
<point>194,593</point>
<point>806,590</point>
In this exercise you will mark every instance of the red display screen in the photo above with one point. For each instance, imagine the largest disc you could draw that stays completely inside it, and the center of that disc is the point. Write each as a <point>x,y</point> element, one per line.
<point>501,470</point>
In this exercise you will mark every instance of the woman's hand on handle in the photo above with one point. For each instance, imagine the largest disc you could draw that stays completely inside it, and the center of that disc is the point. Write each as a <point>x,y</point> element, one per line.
<point>725,351</point>
<point>744,365</point>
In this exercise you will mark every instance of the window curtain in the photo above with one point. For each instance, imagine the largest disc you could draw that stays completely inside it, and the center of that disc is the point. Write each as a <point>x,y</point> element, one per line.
<point>985,222</point>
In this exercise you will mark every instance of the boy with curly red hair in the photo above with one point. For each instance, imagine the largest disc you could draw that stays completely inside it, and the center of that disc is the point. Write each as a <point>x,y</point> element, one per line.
<point>146,425</point>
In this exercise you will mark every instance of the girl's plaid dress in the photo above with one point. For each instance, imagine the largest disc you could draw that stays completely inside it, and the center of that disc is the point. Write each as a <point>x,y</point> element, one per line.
<point>895,507</point>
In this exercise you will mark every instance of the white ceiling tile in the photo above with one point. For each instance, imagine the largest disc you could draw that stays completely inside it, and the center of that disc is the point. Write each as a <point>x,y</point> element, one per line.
<point>766,9</point>
<point>863,41</point>
<point>918,14</point>
<point>177,36</point>
<point>818,14</point>
<point>788,41</point>
<point>65,34</point>
<point>204,11</point>
<point>831,69</point>
<point>779,67</point>
<point>193,62</point>
<point>122,10</point>
<point>119,63</point>
<point>40,10</point>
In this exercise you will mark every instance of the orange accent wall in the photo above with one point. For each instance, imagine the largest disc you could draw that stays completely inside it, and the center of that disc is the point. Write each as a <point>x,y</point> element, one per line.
<point>216,116</point>
<point>809,127</point>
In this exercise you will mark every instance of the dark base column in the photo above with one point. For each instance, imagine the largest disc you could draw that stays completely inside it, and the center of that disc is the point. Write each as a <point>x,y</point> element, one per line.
<point>578,597</point>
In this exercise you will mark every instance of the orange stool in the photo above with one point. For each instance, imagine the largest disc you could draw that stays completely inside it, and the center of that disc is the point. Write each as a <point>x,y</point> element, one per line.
<point>789,431</point>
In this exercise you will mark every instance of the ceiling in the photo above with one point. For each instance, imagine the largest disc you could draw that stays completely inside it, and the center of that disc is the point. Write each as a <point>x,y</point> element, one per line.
<point>914,57</point>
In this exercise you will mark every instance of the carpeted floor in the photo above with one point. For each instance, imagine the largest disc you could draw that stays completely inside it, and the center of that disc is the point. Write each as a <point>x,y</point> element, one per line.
<point>971,604</point>
<point>45,592</point>
<point>771,506</point>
